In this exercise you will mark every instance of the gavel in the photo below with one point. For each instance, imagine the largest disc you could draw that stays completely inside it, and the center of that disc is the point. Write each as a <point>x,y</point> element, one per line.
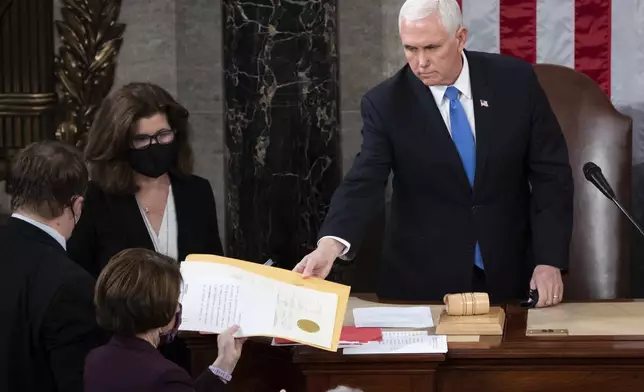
<point>466,304</point>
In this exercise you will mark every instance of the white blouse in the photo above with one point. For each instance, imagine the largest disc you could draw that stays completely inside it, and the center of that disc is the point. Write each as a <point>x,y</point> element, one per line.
<point>166,241</point>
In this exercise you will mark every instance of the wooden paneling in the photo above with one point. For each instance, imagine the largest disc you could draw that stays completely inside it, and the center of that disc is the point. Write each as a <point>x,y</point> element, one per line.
<point>27,88</point>
<point>261,368</point>
<point>531,379</point>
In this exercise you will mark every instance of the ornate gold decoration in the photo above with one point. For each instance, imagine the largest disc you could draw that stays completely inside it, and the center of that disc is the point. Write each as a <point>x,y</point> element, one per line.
<point>86,62</point>
<point>26,112</point>
<point>17,104</point>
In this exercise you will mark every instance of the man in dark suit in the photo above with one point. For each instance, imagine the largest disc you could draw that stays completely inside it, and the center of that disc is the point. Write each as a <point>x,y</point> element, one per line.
<point>482,187</point>
<point>48,321</point>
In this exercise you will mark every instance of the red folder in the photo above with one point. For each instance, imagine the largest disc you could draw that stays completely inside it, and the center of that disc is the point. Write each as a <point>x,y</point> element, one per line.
<point>348,336</point>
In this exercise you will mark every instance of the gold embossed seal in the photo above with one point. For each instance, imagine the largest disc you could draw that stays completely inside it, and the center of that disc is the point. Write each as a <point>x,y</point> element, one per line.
<point>308,326</point>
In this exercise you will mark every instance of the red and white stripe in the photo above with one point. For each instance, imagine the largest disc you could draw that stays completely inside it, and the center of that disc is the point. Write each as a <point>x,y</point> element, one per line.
<point>602,38</point>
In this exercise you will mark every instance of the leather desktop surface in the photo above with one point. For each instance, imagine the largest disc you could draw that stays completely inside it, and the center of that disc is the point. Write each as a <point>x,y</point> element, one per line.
<point>579,319</point>
<point>595,319</point>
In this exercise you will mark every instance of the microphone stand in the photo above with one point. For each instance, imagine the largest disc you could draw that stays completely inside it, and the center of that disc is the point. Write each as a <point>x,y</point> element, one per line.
<point>627,215</point>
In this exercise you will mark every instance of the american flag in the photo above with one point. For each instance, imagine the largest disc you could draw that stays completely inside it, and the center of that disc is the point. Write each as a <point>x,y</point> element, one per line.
<point>602,38</point>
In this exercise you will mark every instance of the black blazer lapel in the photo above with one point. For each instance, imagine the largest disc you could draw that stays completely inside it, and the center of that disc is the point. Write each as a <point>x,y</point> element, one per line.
<point>434,123</point>
<point>184,209</point>
<point>136,233</point>
<point>483,100</point>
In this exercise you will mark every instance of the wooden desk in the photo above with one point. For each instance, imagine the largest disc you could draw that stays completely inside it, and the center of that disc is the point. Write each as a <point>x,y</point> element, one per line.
<point>510,363</point>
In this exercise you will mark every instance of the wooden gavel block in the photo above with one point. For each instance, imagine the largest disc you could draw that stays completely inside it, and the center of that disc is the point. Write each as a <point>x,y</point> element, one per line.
<point>470,314</point>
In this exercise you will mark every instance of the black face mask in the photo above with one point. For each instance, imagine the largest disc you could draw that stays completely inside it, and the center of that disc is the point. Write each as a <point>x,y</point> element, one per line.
<point>168,337</point>
<point>154,161</point>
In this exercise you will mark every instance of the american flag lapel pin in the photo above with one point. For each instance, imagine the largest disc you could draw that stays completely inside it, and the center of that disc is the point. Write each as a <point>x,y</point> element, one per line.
<point>484,103</point>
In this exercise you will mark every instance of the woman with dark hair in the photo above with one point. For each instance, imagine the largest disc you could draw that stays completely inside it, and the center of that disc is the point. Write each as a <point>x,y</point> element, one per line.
<point>142,192</point>
<point>137,299</point>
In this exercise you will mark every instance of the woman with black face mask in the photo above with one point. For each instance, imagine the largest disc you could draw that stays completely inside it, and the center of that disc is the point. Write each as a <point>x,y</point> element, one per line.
<point>137,299</point>
<point>142,192</point>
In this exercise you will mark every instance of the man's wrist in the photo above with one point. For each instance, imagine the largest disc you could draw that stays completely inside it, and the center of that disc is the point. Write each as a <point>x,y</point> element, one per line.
<point>334,246</point>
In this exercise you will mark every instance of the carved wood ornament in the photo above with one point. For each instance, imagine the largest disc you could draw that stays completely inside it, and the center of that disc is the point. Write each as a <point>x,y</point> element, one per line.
<point>86,62</point>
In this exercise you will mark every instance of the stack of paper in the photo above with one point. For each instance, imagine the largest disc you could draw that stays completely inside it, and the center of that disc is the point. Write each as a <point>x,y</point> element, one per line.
<point>403,342</point>
<point>350,337</point>
<point>398,342</point>
<point>219,292</point>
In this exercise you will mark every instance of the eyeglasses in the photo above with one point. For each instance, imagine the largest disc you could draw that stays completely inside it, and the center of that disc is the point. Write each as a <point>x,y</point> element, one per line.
<point>164,136</point>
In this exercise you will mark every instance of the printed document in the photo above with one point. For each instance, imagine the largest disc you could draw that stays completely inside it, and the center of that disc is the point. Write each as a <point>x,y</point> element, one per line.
<point>215,296</point>
<point>403,342</point>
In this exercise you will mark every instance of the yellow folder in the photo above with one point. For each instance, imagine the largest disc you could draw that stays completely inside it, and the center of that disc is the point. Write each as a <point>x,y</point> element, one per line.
<point>290,277</point>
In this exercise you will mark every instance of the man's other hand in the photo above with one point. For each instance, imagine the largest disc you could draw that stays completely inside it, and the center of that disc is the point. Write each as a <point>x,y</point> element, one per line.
<point>319,262</point>
<point>546,279</point>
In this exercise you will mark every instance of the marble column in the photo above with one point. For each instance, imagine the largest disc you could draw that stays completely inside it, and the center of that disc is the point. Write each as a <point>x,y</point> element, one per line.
<point>281,125</point>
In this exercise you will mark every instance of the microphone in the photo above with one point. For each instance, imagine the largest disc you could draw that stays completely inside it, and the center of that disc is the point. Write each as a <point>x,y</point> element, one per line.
<point>594,175</point>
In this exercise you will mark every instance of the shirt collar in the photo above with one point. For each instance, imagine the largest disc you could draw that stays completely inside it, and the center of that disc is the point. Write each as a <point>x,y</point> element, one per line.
<point>462,83</point>
<point>56,235</point>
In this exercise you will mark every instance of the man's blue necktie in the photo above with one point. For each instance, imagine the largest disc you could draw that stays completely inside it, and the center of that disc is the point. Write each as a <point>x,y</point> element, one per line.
<point>464,140</point>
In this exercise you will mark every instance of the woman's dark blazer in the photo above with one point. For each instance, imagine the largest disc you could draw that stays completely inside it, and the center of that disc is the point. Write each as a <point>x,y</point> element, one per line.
<point>111,223</point>
<point>132,364</point>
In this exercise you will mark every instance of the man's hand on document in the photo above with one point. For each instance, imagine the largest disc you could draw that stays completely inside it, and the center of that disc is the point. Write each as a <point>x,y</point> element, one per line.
<point>319,262</point>
<point>229,350</point>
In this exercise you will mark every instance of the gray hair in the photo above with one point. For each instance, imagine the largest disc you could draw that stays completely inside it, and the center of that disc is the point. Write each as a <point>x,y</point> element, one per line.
<point>342,388</point>
<point>448,11</point>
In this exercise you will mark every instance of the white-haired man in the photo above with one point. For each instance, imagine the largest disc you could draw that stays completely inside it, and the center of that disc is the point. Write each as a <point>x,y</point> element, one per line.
<point>482,186</point>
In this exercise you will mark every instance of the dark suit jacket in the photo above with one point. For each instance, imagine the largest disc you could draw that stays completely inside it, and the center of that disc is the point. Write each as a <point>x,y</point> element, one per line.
<point>47,319</point>
<point>520,208</point>
<point>111,223</point>
<point>132,364</point>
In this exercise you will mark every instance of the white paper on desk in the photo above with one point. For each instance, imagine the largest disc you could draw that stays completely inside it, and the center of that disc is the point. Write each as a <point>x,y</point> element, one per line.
<point>215,296</point>
<point>403,342</point>
<point>394,317</point>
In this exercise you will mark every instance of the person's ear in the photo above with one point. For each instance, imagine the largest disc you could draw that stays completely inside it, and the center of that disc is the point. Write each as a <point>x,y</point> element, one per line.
<point>77,206</point>
<point>461,36</point>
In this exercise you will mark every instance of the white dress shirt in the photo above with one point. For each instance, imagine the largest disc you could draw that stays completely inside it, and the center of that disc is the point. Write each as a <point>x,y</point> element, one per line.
<point>464,86</point>
<point>49,230</point>
<point>166,241</point>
